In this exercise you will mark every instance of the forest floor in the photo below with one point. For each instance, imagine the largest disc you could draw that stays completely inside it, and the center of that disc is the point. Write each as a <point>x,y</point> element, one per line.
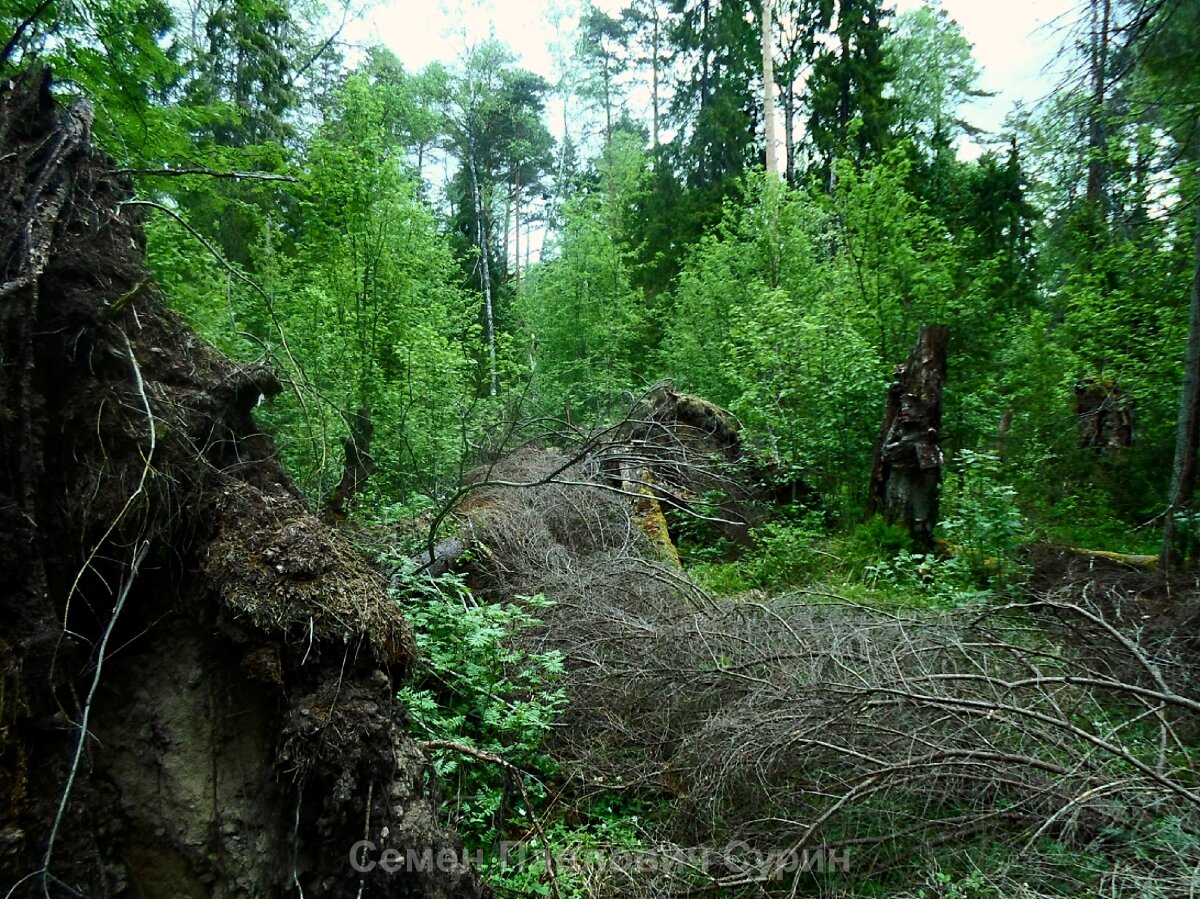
<point>823,715</point>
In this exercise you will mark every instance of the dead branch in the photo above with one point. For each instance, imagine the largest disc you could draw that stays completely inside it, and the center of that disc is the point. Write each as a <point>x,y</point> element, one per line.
<point>519,777</point>
<point>209,173</point>
<point>784,723</point>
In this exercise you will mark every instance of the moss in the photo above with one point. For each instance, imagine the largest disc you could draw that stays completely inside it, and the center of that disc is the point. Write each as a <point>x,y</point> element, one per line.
<point>649,515</point>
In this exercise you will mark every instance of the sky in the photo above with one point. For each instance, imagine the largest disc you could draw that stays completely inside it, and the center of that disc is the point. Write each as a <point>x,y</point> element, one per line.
<point>1015,40</point>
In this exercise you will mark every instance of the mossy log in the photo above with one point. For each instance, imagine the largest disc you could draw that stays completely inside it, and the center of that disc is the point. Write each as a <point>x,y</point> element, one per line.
<point>1133,560</point>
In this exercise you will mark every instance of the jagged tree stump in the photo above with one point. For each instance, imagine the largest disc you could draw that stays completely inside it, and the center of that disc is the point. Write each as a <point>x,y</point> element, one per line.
<point>358,467</point>
<point>1104,413</point>
<point>907,471</point>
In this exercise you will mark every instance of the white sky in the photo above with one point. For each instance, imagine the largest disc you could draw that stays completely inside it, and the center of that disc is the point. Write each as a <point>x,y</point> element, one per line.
<point>1016,43</point>
<point>1015,40</point>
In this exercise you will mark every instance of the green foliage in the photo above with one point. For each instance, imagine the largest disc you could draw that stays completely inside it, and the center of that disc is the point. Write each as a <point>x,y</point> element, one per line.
<point>361,305</point>
<point>980,517</point>
<point>718,44</point>
<point>790,306</point>
<point>946,886</point>
<point>851,114</point>
<point>374,302</point>
<point>897,263</point>
<point>799,339</point>
<point>926,580</point>
<point>492,117</point>
<point>124,56</point>
<point>477,689</point>
<point>935,75</point>
<point>600,46</point>
<point>878,538</point>
<point>720,578</point>
<point>582,316</point>
<point>785,553</point>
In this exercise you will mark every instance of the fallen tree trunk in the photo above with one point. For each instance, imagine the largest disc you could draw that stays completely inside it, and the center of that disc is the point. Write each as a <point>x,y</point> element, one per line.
<point>907,470</point>
<point>1133,560</point>
<point>445,556</point>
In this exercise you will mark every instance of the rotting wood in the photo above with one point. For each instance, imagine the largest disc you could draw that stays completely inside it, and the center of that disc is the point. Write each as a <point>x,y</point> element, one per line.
<point>358,466</point>
<point>907,471</point>
<point>1104,414</point>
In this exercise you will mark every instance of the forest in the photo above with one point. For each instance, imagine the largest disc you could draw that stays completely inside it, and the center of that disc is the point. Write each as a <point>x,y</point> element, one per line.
<point>763,481</point>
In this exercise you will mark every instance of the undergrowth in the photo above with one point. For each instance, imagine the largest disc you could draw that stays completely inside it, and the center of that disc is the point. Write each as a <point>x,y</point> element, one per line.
<point>477,689</point>
<point>486,688</point>
<point>978,550</point>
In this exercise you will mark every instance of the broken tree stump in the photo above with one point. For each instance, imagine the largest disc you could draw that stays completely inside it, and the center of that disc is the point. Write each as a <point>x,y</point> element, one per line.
<point>907,469</point>
<point>1104,413</point>
<point>357,468</point>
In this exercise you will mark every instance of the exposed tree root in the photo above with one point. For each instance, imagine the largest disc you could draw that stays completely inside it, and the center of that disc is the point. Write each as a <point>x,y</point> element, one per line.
<point>197,678</point>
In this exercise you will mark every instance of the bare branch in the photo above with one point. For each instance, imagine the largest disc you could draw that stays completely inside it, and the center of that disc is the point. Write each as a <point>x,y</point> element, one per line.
<point>211,173</point>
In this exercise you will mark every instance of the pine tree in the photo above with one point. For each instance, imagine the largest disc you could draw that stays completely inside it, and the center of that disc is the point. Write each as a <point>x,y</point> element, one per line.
<point>851,116</point>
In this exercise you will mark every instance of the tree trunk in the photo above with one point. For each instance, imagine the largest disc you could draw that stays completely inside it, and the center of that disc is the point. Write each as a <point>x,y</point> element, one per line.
<point>489,320</point>
<point>507,233</point>
<point>768,74</point>
<point>607,105</point>
<point>1104,415</point>
<point>654,71</point>
<point>1179,537</point>
<point>789,134</point>
<point>907,471</point>
<point>704,52</point>
<point>1006,421</point>
<point>1101,18</point>
<point>517,221</point>
<point>843,118</point>
<point>357,467</point>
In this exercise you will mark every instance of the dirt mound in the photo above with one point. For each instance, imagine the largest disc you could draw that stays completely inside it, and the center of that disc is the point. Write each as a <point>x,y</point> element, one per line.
<point>197,678</point>
<point>1163,611</point>
<point>699,463</point>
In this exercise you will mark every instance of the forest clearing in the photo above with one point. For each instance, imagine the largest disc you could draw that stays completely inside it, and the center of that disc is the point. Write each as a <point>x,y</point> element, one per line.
<point>727,491</point>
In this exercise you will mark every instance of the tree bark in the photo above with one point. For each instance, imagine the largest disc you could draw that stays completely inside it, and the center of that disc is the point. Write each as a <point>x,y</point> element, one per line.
<point>608,126</point>
<point>506,231</point>
<point>1179,537</point>
<point>1101,19</point>
<point>654,71</point>
<point>907,471</point>
<point>1104,415</point>
<point>517,221</point>
<point>768,74</point>
<point>481,235</point>
<point>356,469</point>
<point>789,134</point>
